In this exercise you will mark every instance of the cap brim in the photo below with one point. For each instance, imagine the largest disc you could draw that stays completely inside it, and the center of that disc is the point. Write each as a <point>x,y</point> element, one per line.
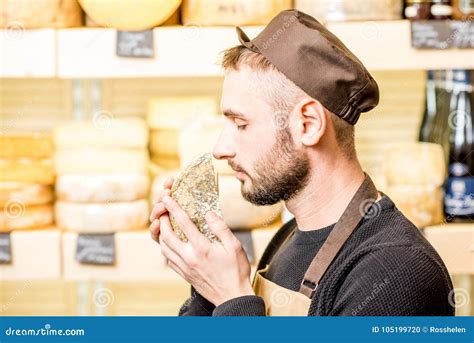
<point>245,40</point>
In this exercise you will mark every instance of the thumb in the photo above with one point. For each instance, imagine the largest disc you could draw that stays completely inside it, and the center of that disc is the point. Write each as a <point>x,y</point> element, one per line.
<point>219,227</point>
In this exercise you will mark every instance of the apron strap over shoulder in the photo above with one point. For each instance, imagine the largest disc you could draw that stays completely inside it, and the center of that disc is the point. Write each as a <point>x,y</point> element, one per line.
<point>361,202</point>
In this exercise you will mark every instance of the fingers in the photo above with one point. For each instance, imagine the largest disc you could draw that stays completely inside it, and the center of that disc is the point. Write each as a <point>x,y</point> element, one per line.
<point>220,228</point>
<point>155,230</point>
<point>169,237</point>
<point>195,237</point>
<point>168,182</point>
<point>172,259</point>
<point>158,210</point>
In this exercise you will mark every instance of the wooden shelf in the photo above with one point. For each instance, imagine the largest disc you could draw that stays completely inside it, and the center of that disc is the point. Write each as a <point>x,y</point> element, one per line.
<point>28,53</point>
<point>182,51</point>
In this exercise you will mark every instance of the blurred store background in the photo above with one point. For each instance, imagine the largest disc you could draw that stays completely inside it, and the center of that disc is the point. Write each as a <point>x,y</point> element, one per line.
<point>101,100</point>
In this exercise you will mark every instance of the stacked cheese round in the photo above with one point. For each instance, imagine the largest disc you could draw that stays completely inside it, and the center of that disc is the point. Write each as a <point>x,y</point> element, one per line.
<point>232,12</point>
<point>415,173</point>
<point>102,175</point>
<point>33,14</point>
<point>167,116</point>
<point>26,179</point>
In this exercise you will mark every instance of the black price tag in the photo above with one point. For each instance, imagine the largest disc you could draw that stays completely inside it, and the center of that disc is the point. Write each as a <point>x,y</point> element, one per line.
<point>5,248</point>
<point>245,237</point>
<point>137,44</point>
<point>97,249</point>
<point>442,34</point>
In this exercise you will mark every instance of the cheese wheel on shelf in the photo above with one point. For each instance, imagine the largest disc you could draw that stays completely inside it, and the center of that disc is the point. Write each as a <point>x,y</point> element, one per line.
<point>16,216</point>
<point>27,170</point>
<point>33,145</point>
<point>101,161</point>
<point>102,132</point>
<point>175,112</point>
<point>34,14</point>
<point>130,15</point>
<point>25,193</point>
<point>232,12</point>
<point>102,218</point>
<point>201,136</point>
<point>102,187</point>
<point>237,212</point>
<point>414,164</point>
<point>422,205</point>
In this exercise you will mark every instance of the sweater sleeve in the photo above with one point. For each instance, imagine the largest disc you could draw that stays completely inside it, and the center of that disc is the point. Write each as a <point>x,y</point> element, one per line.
<point>196,305</point>
<point>395,281</point>
<point>248,305</point>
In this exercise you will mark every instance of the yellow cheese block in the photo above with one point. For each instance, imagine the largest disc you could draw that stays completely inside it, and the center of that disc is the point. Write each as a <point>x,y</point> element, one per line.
<point>102,187</point>
<point>33,14</point>
<point>27,170</point>
<point>200,136</point>
<point>137,258</point>
<point>164,142</point>
<point>165,162</point>
<point>101,161</point>
<point>34,145</point>
<point>102,132</point>
<point>25,193</point>
<point>36,255</point>
<point>454,243</point>
<point>232,12</point>
<point>102,218</point>
<point>17,216</point>
<point>423,205</point>
<point>238,213</point>
<point>130,15</point>
<point>175,112</point>
<point>414,164</point>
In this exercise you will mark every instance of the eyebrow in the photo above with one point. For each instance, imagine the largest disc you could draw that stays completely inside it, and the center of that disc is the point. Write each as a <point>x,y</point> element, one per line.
<point>234,114</point>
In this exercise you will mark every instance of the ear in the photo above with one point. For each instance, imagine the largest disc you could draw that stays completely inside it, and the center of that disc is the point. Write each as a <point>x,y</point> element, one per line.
<point>313,118</point>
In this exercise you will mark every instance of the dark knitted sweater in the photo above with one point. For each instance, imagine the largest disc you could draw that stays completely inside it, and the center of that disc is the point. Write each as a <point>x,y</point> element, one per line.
<point>386,268</point>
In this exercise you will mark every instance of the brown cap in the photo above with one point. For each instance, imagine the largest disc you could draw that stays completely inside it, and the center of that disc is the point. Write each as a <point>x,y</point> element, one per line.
<point>317,62</point>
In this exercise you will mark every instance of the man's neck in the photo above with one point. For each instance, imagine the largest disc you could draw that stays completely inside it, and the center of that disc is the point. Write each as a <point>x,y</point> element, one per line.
<point>326,196</point>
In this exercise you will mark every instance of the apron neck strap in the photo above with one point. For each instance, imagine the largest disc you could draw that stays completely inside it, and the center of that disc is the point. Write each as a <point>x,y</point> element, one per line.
<point>361,202</point>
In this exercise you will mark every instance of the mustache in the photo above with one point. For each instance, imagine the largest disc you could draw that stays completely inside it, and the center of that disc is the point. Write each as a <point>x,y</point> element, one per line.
<point>236,167</point>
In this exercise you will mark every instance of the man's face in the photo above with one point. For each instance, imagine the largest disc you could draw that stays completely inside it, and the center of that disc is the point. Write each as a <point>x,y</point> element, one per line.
<point>257,142</point>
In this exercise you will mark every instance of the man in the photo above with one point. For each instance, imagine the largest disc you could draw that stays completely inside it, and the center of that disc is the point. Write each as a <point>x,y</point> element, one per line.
<point>291,98</point>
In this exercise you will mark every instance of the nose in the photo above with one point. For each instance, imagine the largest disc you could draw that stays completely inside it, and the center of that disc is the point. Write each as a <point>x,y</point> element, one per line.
<point>224,149</point>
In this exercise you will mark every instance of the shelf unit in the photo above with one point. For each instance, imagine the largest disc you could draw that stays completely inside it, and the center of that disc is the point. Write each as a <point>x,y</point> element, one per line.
<point>193,51</point>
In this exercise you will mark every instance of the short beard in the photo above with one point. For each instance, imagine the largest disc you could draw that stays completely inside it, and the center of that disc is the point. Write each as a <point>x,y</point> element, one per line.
<point>280,175</point>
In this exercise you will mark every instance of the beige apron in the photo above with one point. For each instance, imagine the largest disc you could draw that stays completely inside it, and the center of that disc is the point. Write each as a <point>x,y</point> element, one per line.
<point>280,301</point>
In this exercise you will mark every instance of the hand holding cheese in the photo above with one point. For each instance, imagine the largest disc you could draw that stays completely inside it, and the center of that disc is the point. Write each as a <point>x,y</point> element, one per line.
<point>159,209</point>
<point>219,271</point>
